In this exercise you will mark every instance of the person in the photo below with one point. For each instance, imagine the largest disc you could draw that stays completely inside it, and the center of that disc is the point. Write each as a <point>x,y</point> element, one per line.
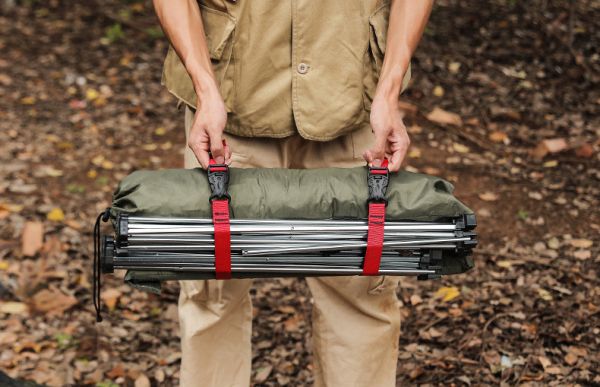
<point>292,84</point>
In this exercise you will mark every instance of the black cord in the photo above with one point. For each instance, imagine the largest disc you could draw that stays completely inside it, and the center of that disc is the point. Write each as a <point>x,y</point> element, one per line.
<point>97,269</point>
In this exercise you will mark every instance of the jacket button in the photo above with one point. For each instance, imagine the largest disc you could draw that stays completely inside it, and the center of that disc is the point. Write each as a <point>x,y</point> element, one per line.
<point>302,68</point>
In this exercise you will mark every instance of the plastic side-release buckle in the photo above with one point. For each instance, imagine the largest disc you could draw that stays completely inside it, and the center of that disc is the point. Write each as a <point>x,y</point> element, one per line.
<point>218,179</point>
<point>378,180</point>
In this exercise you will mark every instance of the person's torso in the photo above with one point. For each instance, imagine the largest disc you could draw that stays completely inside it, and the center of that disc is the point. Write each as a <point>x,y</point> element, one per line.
<point>291,66</point>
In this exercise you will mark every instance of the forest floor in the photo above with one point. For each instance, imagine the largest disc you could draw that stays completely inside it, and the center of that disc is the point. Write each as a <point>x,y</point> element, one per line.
<point>504,103</point>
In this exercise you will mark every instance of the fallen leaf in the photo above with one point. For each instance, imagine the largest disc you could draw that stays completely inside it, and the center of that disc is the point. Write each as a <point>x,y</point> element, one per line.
<point>415,299</point>
<point>160,131</point>
<point>553,145</point>
<point>582,254</point>
<point>544,361</point>
<point>91,94</point>
<point>12,307</point>
<point>52,301</point>
<point>32,238</point>
<point>142,381</point>
<point>581,243</point>
<point>584,151</point>
<point>110,298</point>
<point>488,196</point>
<point>3,265</point>
<point>453,67</point>
<point>408,108</point>
<point>28,100</point>
<point>263,373</point>
<point>447,293</point>
<point>497,136</point>
<point>56,215</point>
<point>438,91</point>
<point>414,153</point>
<point>460,148</point>
<point>444,117</point>
<point>571,358</point>
<point>544,294</point>
<point>550,164</point>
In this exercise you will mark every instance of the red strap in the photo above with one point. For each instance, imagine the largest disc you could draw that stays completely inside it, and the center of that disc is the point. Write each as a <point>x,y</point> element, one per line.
<point>374,239</point>
<point>220,213</point>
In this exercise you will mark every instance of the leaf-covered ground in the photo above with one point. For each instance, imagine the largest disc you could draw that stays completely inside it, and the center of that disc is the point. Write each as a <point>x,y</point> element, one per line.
<point>504,103</point>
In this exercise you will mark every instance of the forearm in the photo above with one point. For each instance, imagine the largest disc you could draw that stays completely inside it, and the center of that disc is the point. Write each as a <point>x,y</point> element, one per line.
<point>406,24</point>
<point>182,24</point>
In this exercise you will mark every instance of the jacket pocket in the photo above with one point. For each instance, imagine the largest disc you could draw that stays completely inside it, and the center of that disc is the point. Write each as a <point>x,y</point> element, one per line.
<point>378,29</point>
<point>219,29</point>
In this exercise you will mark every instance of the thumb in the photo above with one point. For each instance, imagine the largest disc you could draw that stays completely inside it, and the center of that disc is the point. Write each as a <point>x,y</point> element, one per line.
<point>216,147</point>
<point>375,155</point>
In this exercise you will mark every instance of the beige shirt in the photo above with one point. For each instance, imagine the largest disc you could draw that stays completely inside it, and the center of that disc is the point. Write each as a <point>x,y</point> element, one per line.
<point>291,66</point>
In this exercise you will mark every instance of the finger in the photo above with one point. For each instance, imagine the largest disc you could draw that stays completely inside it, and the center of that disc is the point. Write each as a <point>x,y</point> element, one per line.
<point>376,153</point>
<point>201,155</point>
<point>396,158</point>
<point>216,147</point>
<point>227,152</point>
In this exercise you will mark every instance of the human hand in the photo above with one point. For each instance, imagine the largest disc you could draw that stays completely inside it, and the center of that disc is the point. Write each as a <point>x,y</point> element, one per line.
<point>206,133</point>
<point>391,138</point>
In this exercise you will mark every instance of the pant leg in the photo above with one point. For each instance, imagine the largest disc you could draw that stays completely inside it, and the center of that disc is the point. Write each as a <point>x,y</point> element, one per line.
<point>215,316</point>
<point>356,320</point>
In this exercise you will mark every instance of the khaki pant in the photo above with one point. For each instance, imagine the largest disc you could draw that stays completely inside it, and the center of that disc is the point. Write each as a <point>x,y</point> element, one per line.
<point>356,320</point>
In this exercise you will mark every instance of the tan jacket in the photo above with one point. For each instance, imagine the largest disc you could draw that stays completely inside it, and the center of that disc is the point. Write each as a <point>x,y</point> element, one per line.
<point>283,66</point>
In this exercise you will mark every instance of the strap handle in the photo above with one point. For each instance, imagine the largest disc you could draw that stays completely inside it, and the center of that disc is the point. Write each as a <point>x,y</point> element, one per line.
<point>377,181</point>
<point>218,178</point>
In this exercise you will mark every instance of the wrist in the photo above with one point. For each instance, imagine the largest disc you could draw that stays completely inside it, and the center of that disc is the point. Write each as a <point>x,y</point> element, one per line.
<point>390,82</point>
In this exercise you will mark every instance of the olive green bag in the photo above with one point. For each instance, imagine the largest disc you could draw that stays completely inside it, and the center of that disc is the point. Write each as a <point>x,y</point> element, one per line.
<point>329,193</point>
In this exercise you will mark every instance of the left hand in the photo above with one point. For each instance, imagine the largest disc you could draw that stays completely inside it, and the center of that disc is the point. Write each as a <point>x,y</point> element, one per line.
<point>391,138</point>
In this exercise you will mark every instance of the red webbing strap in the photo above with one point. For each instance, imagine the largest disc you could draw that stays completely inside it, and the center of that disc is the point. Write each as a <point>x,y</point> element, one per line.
<point>374,239</point>
<point>220,214</point>
<point>375,232</point>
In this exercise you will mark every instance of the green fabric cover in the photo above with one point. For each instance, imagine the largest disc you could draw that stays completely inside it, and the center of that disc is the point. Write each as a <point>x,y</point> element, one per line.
<point>284,194</point>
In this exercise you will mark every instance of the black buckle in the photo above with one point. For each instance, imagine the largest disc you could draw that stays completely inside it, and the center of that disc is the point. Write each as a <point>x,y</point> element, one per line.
<point>377,181</point>
<point>218,178</point>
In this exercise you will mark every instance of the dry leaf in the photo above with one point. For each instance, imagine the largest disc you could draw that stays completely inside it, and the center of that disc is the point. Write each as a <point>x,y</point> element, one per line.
<point>460,148</point>
<point>447,293</point>
<point>571,358</point>
<point>142,381</point>
<point>488,196</point>
<point>12,307</point>
<point>438,91</point>
<point>415,299</point>
<point>32,238</point>
<point>584,151</point>
<point>110,298</point>
<point>582,254</point>
<point>56,215</point>
<point>544,294</point>
<point>581,243</point>
<point>408,108</point>
<point>553,145</point>
<point>263,373</point>
<point>91,94</point>
<point>497,136</point>
<point>52,301</point>
<point>544,361</point>
<point>444,117</point>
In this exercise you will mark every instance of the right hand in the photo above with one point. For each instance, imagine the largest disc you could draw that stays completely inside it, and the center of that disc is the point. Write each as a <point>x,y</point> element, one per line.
<point>206,133</point>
